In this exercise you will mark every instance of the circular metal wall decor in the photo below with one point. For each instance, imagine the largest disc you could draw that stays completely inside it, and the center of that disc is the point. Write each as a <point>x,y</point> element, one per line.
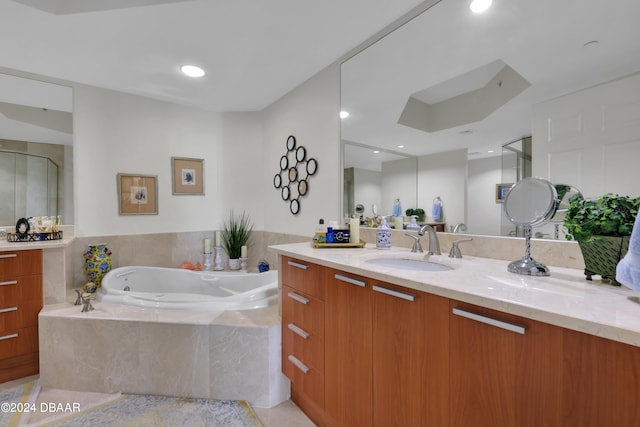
<point>292,180</point>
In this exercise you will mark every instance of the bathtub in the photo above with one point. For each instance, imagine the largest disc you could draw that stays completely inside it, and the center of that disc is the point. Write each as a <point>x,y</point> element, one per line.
<point>175,288</point>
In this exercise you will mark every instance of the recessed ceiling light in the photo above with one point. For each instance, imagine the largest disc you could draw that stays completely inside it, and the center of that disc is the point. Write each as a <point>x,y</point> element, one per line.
<point>400,146</point>
<point>192,71</point>
<point>479,6</point>
<point>491,151</point>
<point>344,114</point>
<point>376,152</point>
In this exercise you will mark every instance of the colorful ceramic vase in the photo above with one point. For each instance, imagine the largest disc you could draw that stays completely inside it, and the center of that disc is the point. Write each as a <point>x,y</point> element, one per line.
<point>97,263</point>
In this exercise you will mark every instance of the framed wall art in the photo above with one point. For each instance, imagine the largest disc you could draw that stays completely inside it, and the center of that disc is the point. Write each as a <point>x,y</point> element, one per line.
<point>137,194</point>
<point>187,176</point>
<point>501,191</point>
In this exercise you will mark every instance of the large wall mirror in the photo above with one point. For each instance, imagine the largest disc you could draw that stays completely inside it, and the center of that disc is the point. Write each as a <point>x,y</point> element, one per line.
<point>36,149</point>
<point>449,89</point>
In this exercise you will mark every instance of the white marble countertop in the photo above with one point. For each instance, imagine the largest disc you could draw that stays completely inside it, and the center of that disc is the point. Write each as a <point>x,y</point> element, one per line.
<point>25,246</point>
<point>565,298</point>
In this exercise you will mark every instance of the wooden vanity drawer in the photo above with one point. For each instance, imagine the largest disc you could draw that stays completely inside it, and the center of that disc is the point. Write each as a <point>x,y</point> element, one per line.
<point>20,302</point>
<point>19,341</point>
<point>304,310</point>
<point>304,276</point>
<point>306,346</point>
<point>15,264</point>
<point>305,378</point>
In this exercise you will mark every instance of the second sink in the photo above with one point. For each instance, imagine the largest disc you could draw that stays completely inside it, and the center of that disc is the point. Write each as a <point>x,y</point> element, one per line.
<point>409,264</point>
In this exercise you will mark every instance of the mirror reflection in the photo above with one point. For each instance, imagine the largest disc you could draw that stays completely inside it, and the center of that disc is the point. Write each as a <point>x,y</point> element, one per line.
<point>474,101</point>
<point>35,150</point>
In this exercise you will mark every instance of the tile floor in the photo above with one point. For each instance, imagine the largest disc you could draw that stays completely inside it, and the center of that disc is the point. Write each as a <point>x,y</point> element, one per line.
<point>287,414</point>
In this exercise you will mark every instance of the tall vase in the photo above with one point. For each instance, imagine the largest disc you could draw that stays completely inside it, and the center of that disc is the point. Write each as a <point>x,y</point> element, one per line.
<point>97,263</point>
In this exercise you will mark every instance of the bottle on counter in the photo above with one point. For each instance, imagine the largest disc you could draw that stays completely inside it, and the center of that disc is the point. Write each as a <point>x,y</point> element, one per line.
<point>383,235</point>
<point>321,232</point>
<point>329,237</point>
<point>413,225</point>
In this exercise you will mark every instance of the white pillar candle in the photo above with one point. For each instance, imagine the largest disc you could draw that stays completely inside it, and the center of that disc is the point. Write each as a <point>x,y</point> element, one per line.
<point>354,230</point>
<point>206,246</point>
<point>218,238</point>
<point>243,252</point>
<point>398,223</point>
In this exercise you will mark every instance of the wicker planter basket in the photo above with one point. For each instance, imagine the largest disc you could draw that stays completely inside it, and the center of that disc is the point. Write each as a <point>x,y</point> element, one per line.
<point>602,254</point>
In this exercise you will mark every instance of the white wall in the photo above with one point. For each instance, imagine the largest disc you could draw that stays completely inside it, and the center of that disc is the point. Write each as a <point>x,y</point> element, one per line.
<point>367,190</point>
<point>311,114</point>
<point>398,182</point>
<point>120,133</point>
<point>483,213</point>
<point>444,175</point>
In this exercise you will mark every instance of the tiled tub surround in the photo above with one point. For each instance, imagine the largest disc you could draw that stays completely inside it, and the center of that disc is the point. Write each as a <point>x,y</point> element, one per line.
<point>115,348</point>
<point>563,299</point>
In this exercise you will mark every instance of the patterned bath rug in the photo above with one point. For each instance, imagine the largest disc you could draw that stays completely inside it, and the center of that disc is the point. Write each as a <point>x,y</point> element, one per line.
<point>133,410</point>
<point>16,402</point>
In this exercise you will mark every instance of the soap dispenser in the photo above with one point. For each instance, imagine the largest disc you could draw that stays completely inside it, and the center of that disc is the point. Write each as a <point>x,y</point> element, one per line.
<point>383,235</point>
<point>413,225</point>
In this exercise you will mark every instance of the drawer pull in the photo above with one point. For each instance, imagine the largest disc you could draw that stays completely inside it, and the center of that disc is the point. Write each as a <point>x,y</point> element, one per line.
<point>10,282</point>
<point>304,368</point>
<point>8,256</point>
<point>298,265</point>
<point>394,293</point>
<point>348,279</point>
<point>6,310</point>
<point>298,330</point>
<point>6,337</point>
<point>490,321</point>
<point>298,298</point>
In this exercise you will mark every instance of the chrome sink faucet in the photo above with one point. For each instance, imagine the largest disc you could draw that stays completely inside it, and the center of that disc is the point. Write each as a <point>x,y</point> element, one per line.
<point>434,243</point>
<point>417,246</point>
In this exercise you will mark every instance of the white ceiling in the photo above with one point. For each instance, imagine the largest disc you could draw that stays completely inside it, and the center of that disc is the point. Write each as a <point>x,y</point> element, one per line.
<point>543,40</point>
<point>253,51</point>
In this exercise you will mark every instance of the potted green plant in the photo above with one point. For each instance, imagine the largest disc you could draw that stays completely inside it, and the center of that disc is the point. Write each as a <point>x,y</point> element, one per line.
<point>602,227</point>
<point>235,234</point>
<point>419,213</point>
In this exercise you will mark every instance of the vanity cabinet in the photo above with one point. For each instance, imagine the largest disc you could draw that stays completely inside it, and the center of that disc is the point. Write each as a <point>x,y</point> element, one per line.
<point>348,374</point>
<point>505,370</point>
<point>410,357</point>
<point>21,299</point>
<point>361,352</point>
<point>303,325</point>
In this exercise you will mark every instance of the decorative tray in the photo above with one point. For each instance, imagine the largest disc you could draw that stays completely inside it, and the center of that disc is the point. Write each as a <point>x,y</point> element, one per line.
<point>340,245</point>
<point>34,237</point>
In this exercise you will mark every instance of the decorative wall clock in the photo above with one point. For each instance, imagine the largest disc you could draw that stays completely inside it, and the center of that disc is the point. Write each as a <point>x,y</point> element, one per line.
<point>293,177</point>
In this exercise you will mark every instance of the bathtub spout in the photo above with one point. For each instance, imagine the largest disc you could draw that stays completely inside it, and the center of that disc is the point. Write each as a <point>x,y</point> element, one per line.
<point>87,304</point>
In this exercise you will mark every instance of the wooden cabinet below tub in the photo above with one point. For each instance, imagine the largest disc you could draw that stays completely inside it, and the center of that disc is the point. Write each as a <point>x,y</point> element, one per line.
<point>20,302</point>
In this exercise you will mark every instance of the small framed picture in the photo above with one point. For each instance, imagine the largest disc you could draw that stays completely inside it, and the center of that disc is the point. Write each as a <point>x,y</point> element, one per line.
<point>187,175</point>
<point>501,191</point>
<point>137,194</point>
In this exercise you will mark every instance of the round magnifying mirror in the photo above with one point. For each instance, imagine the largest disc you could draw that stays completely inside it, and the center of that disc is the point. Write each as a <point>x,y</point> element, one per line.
<point>531,201</point>
<point>293,174</point>
<point>284,163</point>
<point>285,193</point>
<point>565,194</point>
<point>277,181</point>
<point>359,209</point>
<point>294,206</point>
<point>291,142</point>
<point>302,188</point>
<point>301,153</point>
<point>312,166</point>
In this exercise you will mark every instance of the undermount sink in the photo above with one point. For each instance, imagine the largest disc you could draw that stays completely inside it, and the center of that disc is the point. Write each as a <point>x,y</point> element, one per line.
<point>409,264</point>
